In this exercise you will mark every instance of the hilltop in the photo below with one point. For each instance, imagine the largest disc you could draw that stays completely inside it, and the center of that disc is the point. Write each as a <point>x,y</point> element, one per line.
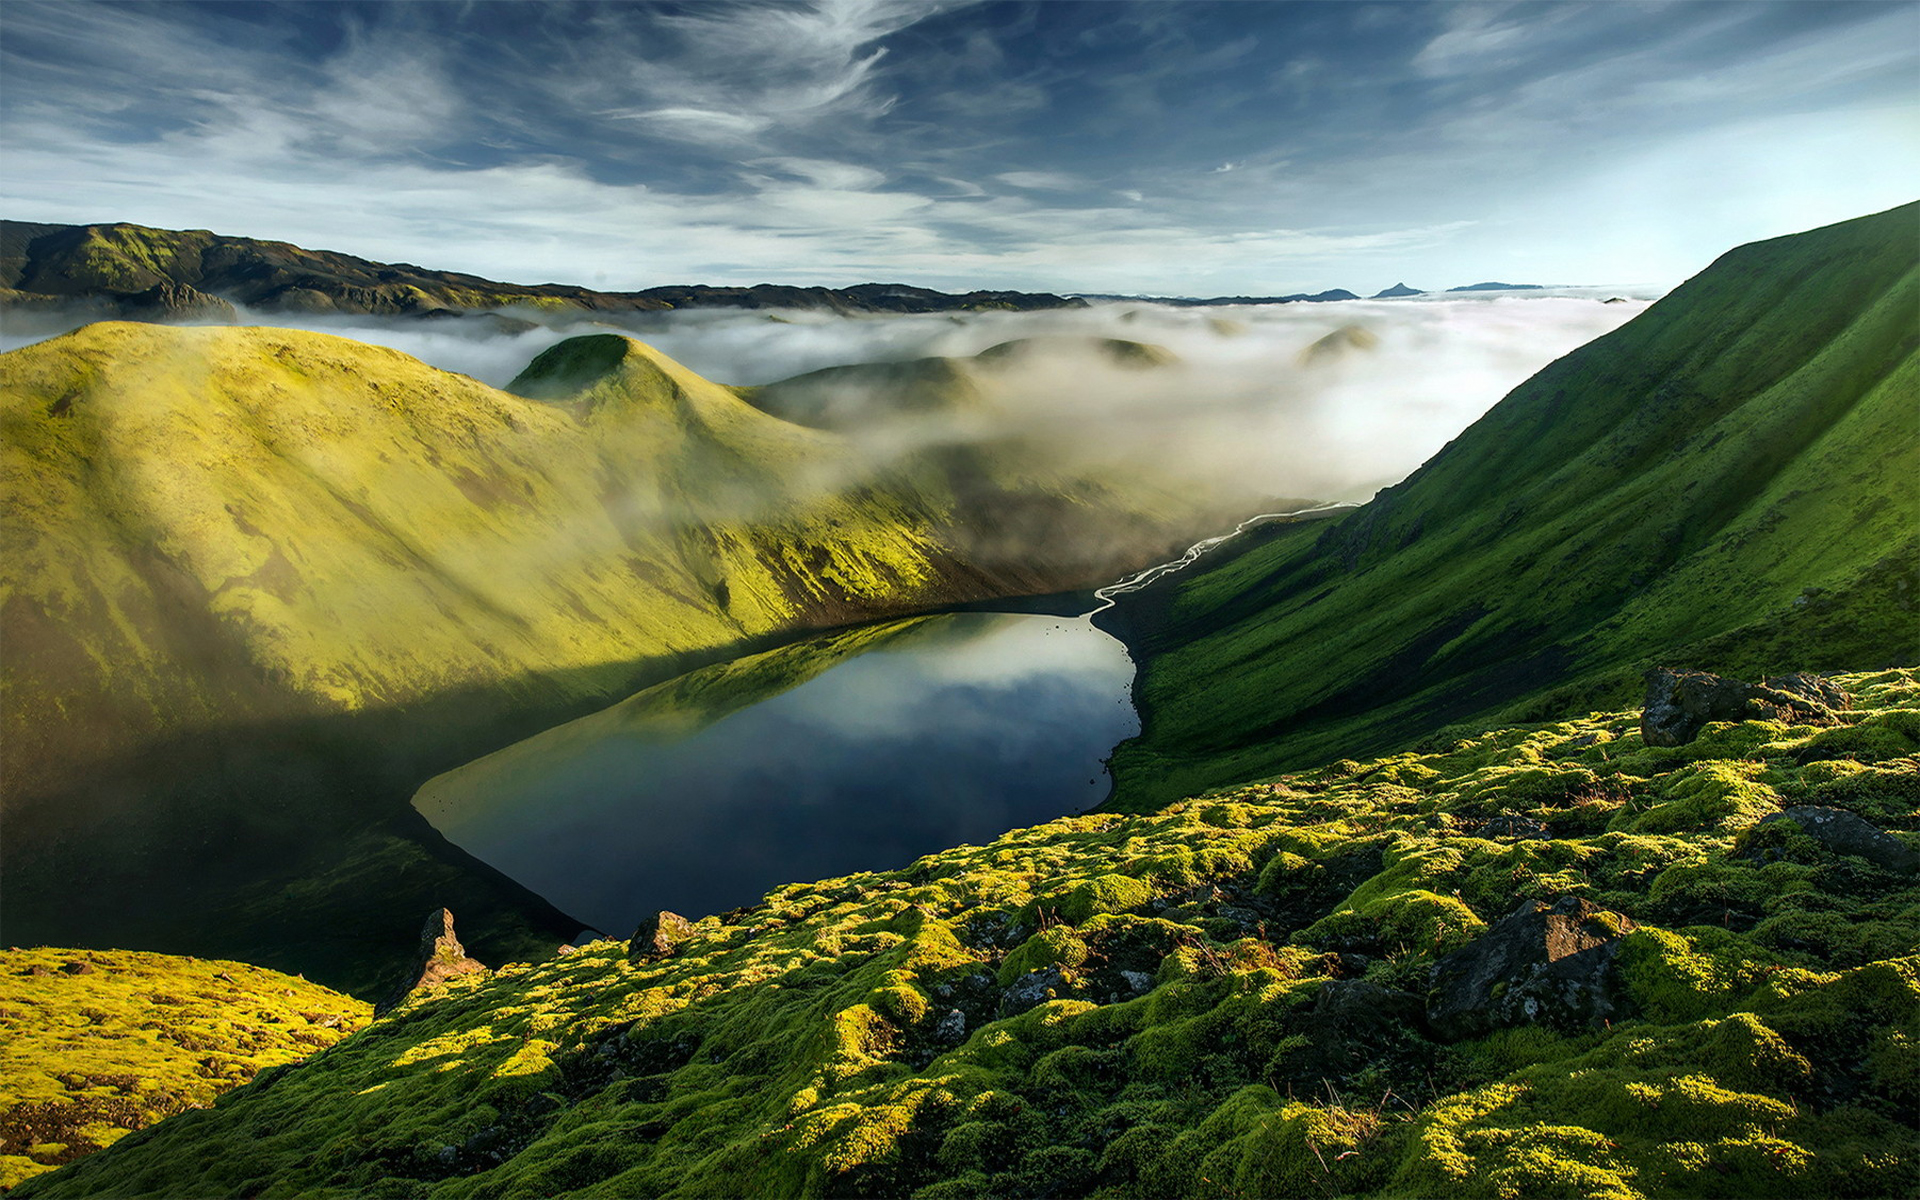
<point>131,270</point>
<point>1725,482</point>
<point>260,584</point>
<point>1544,960</point>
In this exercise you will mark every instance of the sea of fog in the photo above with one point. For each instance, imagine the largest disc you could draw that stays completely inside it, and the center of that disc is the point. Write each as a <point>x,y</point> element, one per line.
<point>1261,398</point>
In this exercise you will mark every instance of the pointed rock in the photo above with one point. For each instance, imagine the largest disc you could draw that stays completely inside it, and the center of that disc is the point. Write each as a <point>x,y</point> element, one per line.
<point>659,936</point>
<point>441,957</point>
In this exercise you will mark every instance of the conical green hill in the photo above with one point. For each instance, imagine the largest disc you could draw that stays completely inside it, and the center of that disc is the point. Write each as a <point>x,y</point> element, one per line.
<point>257,584</point>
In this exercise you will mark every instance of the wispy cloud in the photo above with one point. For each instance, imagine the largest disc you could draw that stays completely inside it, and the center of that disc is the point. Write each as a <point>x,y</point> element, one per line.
<point>1115,147</point>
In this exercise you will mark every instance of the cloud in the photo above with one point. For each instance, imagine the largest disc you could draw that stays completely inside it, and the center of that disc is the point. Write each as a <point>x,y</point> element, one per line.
<point>1039,180</point>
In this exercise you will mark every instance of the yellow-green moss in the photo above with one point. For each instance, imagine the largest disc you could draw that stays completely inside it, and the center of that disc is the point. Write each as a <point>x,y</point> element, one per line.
<point>97,1043</point>
<point>1185,1050</point>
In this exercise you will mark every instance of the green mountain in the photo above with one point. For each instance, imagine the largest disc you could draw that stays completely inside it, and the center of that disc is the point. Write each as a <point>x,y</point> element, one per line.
<point>1320,985</point>
<point>259,584</point>
<point>1725,482</point>
<point>131,270</point>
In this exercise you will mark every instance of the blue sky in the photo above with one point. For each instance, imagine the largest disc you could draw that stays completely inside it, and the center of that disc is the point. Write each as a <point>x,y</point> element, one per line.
<point>1168,146</point>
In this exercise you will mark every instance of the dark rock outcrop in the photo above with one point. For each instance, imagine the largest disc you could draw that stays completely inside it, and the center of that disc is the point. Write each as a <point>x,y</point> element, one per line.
<point>168,302</point>
<point>658,937</point>
<point>1351,1026</point>
<point>1846,833</point>
<point>1682,703</point>
<point>441,957</point>
<point>1030,990</point>
<point>1541,964</point>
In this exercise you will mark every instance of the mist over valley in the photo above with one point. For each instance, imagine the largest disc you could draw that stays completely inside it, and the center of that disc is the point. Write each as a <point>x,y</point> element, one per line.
<point>1243,662</point>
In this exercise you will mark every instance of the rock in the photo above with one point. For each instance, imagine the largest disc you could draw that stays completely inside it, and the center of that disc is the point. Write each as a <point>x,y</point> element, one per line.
<point>441,957</point>
<point>78,968</point>
<point>1513,827</point>
<point>171,301</point>
<point>952,1029</point>
<point>1030,990</point>
<point>1540,964</point>
<point>1681,703</point>
<point>1138,981</point>
<point>1352,1025</point>
<point>1817,688</point>
<point>659,936</point>
<point>1846,833</point>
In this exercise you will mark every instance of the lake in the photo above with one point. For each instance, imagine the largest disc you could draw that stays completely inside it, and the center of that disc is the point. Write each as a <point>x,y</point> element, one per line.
<point>857,750</point>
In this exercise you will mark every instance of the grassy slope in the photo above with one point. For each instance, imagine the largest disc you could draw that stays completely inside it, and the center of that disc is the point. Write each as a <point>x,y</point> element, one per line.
<point>260,583</point>
<point>1724,482</point>
<point>1769,1050</point>
<point>86,1057</point>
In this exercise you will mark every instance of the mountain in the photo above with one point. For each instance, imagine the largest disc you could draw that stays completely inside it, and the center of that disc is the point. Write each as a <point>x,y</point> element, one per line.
<point>259,584</point>
<point>1397,290</point>
<point>1212,301</point>
<point>1297,298</point>
<point>1725,482</point>
<point>113,269</point>
<point>1542,961</point>
<point>1497,287</point>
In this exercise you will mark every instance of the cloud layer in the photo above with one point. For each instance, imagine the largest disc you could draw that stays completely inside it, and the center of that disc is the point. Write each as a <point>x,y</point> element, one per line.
<point>1171,148</point>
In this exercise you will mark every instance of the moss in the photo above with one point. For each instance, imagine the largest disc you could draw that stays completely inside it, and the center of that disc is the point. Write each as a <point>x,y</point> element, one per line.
<point>88,1055</point>
<point>1186,1051</point>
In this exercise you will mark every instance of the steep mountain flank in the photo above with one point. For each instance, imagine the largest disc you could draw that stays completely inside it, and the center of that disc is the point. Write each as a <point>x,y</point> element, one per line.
<point>1726,482</point>
<point>109,266</point>
<point>259,584</point>
<point>1541,961</point>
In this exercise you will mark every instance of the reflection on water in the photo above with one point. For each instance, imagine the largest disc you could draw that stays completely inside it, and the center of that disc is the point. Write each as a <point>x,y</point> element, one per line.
<point>854,751</point>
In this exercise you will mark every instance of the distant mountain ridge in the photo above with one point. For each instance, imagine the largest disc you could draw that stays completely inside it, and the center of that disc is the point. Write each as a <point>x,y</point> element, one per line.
<point>117,266</point>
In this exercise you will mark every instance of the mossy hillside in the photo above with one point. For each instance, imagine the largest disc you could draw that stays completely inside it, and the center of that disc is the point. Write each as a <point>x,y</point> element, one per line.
<point>96,1043</point>
<point>811,1046</point>
<point>248,563</point>
<point>1724,482</point>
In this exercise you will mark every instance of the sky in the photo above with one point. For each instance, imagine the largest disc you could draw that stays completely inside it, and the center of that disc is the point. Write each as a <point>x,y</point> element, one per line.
<point>1161,147</point>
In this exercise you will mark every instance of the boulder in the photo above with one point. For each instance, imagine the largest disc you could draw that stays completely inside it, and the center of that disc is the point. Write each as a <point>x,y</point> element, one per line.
<point>441,957</point>
<point>1541,964</point>
<point>659,936</point>
<point>1846,833</point>
<point>1681,703</point>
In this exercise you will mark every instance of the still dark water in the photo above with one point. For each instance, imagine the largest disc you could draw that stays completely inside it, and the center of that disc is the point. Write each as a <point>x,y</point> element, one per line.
<point>854,751</point>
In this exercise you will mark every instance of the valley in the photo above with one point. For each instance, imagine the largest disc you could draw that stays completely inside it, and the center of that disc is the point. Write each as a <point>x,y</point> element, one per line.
<point>319,638</point>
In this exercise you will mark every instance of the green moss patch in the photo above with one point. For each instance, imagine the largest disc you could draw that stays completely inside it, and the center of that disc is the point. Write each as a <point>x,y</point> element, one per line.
<point>1233,1006</point>
<point>97,1043</point>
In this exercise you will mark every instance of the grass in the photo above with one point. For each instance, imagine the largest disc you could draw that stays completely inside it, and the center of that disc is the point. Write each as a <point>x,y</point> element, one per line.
<point>265,583</point>
<point>1723,483</point>
<point>95,1044</point>
<point>1762,1047</point>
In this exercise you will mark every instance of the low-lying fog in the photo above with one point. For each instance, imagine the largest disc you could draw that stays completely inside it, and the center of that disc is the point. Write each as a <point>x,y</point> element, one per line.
<point>1331,401</point>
